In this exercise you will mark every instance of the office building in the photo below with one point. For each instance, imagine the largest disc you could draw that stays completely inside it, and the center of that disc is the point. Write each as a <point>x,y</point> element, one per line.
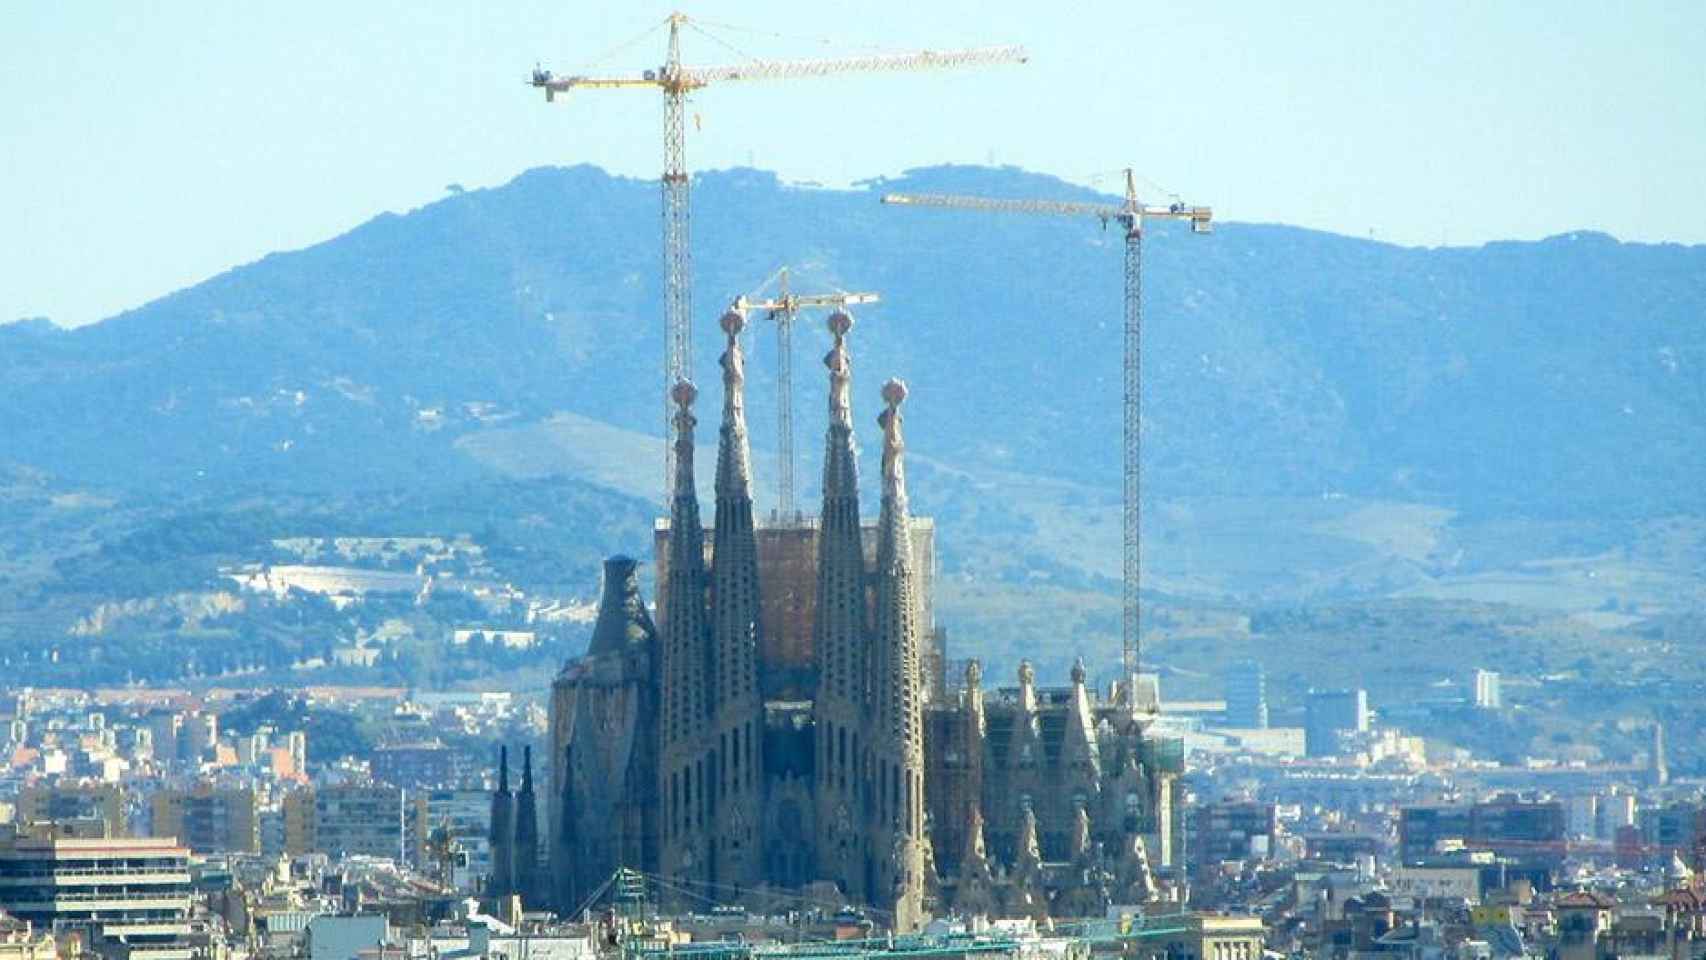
<point>208,820</point>
<point>66,802</point>
<point>1487,693</point>
<point>1231,830</point>
<point>347,821</point>
<point>422,765</point>
<point>1525,830</point>
<point>1246,696</point>
<point>131,896</point>
<point>1329,715</point>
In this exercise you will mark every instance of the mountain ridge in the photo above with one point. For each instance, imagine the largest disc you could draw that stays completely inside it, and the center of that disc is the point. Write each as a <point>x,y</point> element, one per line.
<point>1558,377</point>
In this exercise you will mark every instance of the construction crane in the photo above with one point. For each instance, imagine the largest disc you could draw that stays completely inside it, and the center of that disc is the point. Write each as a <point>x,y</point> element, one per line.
<point>676,80</point>
<point>1130,215</point>
<point>784,309</point>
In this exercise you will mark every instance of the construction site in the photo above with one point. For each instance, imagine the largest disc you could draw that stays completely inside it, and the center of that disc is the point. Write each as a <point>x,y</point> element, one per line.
<point>781,729</point>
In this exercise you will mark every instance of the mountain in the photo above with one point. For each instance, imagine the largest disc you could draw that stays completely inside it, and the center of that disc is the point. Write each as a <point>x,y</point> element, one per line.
<point>1322,415</point>
<point>1551,378</point>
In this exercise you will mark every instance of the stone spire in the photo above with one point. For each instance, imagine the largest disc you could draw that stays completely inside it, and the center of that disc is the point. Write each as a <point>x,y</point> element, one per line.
<point>526,856</point>
<point>682,779</point>
<point>1028,862</point>
<point>1027,686</point>
<point>1082,755</point>
<point>973,729</point>
<point>738,713</point>
<point>897,629</point>
<point>1137,881</point>
<point>839,644</point>
<point>898,735</point>
<point>734,461</point>
<point>974,892</point>
<point>502,833</point>
<point>975,860</point>
<point>1083,846</point>
<point>1025,746</point>
<point>1027,896</point>
<point>841,556</point>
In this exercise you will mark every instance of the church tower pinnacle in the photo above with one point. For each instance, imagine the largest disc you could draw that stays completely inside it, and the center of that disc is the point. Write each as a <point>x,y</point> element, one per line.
<point>526,854</point>
<point>683,778</point>
<point>899,731</point>
<point>838,638</point>
<point>502,833</point>
<point>736,734</point>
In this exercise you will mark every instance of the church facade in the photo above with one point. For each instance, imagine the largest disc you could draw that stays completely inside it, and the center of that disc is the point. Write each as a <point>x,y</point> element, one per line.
<point>785,726</point>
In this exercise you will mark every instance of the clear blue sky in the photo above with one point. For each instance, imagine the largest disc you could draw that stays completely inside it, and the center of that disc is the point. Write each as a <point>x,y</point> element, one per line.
<point>144,147</point>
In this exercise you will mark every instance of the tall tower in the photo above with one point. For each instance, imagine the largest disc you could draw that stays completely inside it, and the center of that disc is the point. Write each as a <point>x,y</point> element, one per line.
<point>838,638</point>
<point>526,854</point>
<point>735,736</point>
<point>683,781</point>
<point>1658,768</point>
<point>898,734</point>
<point>502,835</point>
<point>604,744</point>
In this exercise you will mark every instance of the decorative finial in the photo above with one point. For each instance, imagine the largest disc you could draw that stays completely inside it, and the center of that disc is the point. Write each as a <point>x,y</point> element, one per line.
<point>1027,673</point>
<point>733,361</point>
<point>1078,672</point>
<point>974,673</point>
<point>840,371</point>
<point>894,392</point>
<point>684,393</point>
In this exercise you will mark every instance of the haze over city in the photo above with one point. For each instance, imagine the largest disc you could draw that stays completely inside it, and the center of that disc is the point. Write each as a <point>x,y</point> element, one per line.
<point>1119,482</point>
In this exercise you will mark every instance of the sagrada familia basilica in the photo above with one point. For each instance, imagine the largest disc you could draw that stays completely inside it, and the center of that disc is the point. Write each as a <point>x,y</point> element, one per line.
<point>785,725</point>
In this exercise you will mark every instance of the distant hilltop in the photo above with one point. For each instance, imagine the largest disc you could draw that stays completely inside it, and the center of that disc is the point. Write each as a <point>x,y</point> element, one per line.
<point>1555,378</point>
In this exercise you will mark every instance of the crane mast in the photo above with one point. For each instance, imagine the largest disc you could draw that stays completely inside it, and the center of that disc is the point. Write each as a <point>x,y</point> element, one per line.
<point>677,245</point>
<point>1131,468</point>
<point>784,309</point>
<point>1130,216</point>
<point>676,80</point>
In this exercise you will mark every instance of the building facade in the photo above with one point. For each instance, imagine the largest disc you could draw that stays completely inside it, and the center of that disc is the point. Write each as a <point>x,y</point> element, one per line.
<point>1488,692</point>
<point>208,820</point>
<point>1521,829</point>
<point>63,802</point>
<point>1232,830</point>
<point>370,821</point>
<point>132,892</point>
<point>1246,696</point>
<point>1328,714</point>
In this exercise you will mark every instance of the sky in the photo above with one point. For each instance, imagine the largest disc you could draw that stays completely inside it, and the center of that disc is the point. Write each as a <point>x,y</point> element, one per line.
<point>146,147</point>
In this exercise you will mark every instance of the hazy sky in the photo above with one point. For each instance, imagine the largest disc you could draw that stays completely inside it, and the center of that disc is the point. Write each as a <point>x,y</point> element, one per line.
<point>147,146</point>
